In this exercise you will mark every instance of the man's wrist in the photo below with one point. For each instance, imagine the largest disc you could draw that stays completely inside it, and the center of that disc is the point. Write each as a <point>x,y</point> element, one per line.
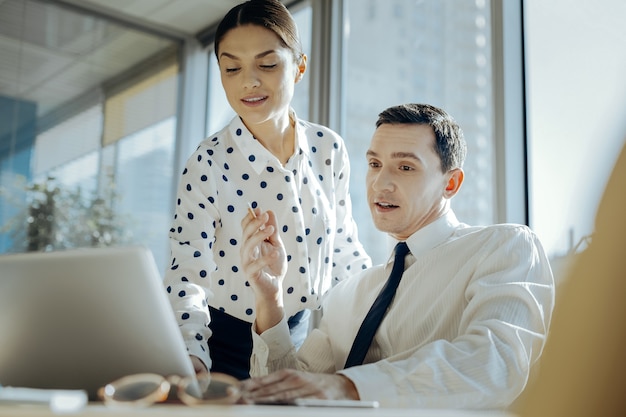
<point>349,388</point>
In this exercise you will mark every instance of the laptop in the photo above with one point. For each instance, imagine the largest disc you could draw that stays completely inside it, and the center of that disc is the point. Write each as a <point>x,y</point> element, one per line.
<point>81,318</point>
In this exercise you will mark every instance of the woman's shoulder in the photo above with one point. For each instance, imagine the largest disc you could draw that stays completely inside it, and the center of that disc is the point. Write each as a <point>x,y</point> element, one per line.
<point>319,133</point>
<point>216,139</point>
<point>316,127</point>
<point>214,144</point>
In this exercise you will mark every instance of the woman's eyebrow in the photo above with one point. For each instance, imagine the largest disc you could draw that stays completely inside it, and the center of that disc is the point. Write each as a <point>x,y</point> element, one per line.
<point>257,56</point>
<point>227,55</point>
<point>263,54</point>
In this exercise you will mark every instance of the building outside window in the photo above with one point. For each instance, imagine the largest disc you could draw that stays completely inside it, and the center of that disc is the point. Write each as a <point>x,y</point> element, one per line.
<point>430,51</point>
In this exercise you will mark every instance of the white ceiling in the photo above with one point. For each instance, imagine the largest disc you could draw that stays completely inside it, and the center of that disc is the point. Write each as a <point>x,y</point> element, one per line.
<point>52,56</point>
<point>185,16</point>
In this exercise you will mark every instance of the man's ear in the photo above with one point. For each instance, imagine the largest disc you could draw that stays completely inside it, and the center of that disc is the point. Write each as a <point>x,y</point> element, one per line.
<point>455,179</point>
<point>301,67</point>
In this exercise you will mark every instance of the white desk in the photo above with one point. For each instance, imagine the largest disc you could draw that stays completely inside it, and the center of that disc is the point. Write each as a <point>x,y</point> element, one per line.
<point>97,410</point>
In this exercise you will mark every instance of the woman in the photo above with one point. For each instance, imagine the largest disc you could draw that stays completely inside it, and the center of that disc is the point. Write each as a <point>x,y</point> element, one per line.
<point>268,158</point>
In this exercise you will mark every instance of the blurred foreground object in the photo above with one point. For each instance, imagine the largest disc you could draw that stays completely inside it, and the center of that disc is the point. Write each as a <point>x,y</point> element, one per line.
<point>582,371</point>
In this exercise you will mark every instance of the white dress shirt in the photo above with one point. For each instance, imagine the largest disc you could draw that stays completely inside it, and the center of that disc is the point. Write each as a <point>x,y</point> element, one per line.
<point>309,195</point>
<point>468,320</point>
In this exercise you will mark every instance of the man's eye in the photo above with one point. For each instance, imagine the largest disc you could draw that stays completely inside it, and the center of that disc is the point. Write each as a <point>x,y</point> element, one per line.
<point>268,67</point>
<point>373,164</point>
<point>406,168</point>
<point>232,69</point>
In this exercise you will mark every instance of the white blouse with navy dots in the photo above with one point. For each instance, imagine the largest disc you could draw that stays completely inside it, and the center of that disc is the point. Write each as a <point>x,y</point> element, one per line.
<point>310,198</point>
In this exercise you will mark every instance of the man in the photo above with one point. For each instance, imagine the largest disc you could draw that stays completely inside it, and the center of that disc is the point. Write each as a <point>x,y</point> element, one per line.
<point>472,309</point>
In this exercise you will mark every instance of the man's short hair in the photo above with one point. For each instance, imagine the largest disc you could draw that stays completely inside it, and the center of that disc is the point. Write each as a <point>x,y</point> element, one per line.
<point>449,140</point>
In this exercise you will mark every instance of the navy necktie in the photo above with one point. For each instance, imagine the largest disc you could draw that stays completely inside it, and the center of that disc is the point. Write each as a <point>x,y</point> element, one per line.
<point>375,315</point>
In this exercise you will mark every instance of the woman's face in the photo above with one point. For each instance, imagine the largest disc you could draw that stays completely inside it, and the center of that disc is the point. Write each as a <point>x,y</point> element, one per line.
<point>258,74</point>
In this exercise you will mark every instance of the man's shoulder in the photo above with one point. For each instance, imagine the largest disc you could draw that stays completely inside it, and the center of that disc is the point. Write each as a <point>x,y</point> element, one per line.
<point>498,233</point>
<point>499,228</point>
<point>359,280</point>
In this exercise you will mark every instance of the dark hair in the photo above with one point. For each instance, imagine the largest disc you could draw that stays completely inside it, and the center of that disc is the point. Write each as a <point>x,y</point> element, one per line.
<point>449,140</point>
<point>270,14</point>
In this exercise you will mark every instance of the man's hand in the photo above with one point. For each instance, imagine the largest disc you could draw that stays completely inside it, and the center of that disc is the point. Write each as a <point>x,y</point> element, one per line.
<point>286,385</point>
<point>264,262</point>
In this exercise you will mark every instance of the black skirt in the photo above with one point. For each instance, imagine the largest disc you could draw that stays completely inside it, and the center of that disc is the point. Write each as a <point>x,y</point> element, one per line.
<point>230,346</point>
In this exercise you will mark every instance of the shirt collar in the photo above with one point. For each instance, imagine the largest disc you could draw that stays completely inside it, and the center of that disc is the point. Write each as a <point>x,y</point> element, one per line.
<point>262,157</point>
<point>432,235</point>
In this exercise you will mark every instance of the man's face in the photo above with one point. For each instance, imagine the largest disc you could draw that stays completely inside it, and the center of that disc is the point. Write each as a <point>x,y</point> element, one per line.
<point>406,188</point>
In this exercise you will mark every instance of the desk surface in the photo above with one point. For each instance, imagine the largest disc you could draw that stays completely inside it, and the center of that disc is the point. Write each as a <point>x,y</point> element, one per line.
<point>97,410</point>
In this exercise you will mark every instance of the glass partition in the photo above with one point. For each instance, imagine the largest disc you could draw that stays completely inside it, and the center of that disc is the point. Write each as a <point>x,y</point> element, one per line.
<point>87,130</point>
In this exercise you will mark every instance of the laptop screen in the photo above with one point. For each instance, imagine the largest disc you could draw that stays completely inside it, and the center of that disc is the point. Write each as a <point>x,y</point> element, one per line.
<point>79,319</point>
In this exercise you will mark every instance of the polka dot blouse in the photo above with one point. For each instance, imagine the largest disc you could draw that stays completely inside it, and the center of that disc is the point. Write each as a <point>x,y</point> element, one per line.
<point>310,198</point>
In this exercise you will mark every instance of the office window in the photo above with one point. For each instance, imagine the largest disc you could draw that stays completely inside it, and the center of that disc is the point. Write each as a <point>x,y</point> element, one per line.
<point>123,153</point>
<point>430,51</point>
<point>300,103</point>
<point>68,151</point>
<point>92,103</point>
<point>576,96</point>
<point>139,143</point>
<point>142,164</point>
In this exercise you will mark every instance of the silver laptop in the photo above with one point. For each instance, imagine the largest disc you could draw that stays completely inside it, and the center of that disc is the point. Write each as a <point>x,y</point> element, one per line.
<point>79,319</point>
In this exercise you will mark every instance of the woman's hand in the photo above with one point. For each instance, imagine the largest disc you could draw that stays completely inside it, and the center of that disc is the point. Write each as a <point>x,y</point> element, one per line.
<point>198,366</point>
<point>264,262</point>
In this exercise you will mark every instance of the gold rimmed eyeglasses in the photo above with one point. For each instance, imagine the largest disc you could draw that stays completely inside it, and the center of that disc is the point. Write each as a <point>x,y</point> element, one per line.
<point>142,390</point>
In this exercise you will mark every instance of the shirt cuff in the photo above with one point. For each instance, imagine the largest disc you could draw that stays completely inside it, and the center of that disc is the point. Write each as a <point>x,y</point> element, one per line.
<point>277,339</point>
<point>272,344</point>
<point>196,348</point>
<point>371,383</point>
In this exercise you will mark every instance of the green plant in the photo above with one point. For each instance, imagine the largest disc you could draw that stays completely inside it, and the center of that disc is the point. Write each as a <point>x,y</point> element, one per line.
<point>53,218</point>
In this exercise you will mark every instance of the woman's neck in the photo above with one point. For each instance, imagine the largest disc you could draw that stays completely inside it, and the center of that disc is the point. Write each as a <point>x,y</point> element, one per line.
<point>279,138</point>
